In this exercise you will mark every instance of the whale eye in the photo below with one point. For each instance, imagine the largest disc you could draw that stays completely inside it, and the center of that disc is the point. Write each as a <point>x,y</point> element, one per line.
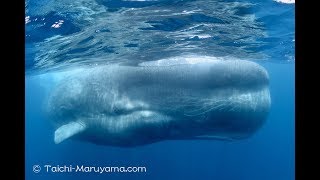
<point>124,105</point>
<point>117,110</point>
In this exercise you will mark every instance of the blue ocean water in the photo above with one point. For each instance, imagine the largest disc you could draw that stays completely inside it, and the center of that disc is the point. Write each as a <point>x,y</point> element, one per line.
<point>71,34</point>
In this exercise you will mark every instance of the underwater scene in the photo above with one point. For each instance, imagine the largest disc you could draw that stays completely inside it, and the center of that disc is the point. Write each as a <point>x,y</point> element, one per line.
<point>160,89</point>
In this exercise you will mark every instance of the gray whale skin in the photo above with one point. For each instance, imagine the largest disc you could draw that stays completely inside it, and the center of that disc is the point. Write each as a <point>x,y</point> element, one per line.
<point>129,106</point>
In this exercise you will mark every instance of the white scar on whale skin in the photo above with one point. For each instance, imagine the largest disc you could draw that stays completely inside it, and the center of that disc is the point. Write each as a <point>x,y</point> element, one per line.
<point>198,98</point>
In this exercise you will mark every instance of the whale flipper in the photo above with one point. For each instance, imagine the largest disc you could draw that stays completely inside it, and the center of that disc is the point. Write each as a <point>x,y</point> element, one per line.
<point>68,130</point>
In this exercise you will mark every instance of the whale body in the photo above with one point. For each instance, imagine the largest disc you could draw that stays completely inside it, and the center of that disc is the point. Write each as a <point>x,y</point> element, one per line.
<point>128,106</point>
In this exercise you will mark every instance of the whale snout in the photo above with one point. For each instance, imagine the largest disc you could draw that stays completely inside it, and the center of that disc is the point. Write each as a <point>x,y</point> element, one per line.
<point>239,100</point>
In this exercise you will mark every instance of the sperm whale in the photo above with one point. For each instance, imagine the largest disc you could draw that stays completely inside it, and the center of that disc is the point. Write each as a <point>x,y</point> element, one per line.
<point>127,106</point>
